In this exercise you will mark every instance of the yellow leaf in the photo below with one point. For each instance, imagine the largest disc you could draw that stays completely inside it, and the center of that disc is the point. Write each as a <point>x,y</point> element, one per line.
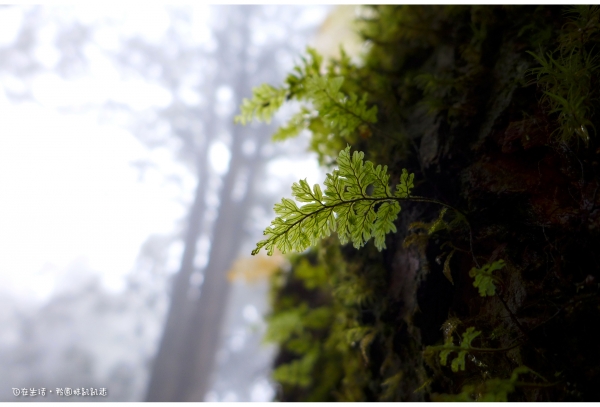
<point>255,268</point>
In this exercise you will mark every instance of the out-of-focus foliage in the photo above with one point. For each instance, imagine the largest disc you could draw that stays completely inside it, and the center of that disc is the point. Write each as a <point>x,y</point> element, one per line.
<point>334,113</point>
<point>488,391</point>
<point>266,100</point>
<point>321,344</point>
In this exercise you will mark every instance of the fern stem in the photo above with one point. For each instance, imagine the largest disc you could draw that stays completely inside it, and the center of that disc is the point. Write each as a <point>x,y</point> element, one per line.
<point>384,199</point>
<point>474,350</point>
<point>535,385</point>
<point>435,201</point>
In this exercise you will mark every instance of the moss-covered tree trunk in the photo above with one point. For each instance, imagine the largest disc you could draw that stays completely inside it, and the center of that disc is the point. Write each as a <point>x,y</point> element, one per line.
<point>531,200</point>
<point>507,138</point>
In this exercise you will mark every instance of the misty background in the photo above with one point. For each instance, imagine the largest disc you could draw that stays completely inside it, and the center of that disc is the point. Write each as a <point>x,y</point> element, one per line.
<point>123,180</point>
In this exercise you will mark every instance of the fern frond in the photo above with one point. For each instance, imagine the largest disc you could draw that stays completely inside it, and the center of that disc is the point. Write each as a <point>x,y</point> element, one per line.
<point>439,223</point>
<point>484,280</point>
<point>334,110</point>
<point>310,66</point>
<point>342,113</point>
<point>265,101</point>
<point>312,276</point>
<point>465,345</point>
<point>285,324</point>
<point>297,372</point>
<point>344,207</point>
<point>495,389</point>
<point>354,293</point>
<point>405,185</point>
<point>298,122</point>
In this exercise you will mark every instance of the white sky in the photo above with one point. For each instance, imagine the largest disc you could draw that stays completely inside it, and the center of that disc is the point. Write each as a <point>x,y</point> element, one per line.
<point>68,191</point>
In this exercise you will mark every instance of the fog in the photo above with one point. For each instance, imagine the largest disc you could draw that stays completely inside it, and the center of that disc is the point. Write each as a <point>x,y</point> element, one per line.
<point>127,193</point>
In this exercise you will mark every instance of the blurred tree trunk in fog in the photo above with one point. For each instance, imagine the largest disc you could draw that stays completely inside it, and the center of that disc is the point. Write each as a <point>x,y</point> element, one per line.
<point>169,358</point>
<point>210,308</point>
<point>186,358</point>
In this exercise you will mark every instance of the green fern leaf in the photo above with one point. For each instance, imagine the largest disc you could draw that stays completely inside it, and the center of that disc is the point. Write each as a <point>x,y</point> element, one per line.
<point>384,224</point>
<point>309,67</point>
<point>439,223</point>
<point>313,276</point>
<point>294,126</point>
<point>297,372</point>
<point>344,207</point>
<point>405,185</point>
<point>484,280</point>
<point>458,363</point>
<point>265,101</point>
<point>285,324</point>
<point>330,109</point>
<point>340,112</point>
<point>448,343</point>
